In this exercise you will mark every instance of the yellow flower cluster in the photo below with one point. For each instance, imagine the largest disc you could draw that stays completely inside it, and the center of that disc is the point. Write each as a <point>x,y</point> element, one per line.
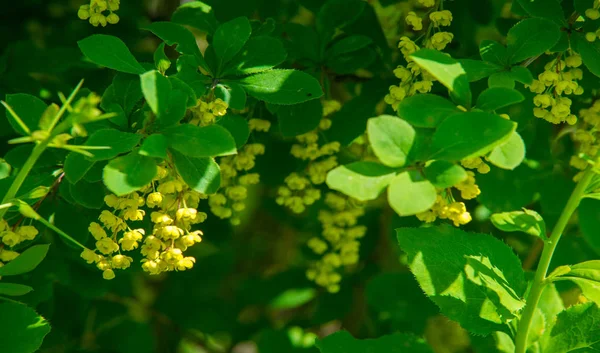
<point>593,13</point>
<point>299,190</point>
<point>588,139</point>
<point>339,245</point>
<point>412,79</point>
<point>235,179</point>
<point>94,12</point>
<point>176,212</point>
<point>206,113</point>
<point>476,163</point>
<point>552,84</point>
<point>11,236</point>
<point>446,207</point>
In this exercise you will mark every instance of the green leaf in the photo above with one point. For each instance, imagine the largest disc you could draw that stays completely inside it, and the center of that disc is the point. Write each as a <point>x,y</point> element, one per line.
<point>300,118</point>
<point>14,289</point>
<point>229,38</point>
<point>129,173</point>
<point>548,9</point>
<point>509,154</point>
<point>172,33</point>
<point>470,134</point>
<point>154,145</point>
<point>501,79</point>
<point>118,141</point>
<point>447,71</point>
<point>590,53</point>
<point>576,330</point>
<point>343,342</point>
<point>362,180</point>
<point>391,139</point>
<point>495,98</point>
<point>156,89</point>
<point>475,279</point>
<point>588,270</point>
<point>349,63</point>
<point>125,90</point>
<point>194,141</point>
<point>29,108</point>
<point>531,37</point>
<point>110,52</point>
<point>526,221</point>
<point>443,174</point>
<point>348,45</point>
<point>88,195</point>
<point>426,110</point>
<point>5,169</point>
<point>196,14</point>
<point>22,330</point>
<point>231,93</point>
<point>408,194</point>
<point>237,127</point>
<point>258,54</point>
<point>26,262</point>
<point>521,74</point>
<point>493,52</point>
<point>282,87</point>
<point>477,70</point>
<point>201,174</point>
<point>293,298</point>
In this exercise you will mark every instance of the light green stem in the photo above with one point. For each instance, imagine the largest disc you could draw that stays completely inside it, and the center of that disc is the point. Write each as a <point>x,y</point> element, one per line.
<point>20,178</point>
<point>550,244</point>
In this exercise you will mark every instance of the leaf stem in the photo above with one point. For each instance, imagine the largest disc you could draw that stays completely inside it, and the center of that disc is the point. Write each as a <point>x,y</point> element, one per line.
<point>539,280</point>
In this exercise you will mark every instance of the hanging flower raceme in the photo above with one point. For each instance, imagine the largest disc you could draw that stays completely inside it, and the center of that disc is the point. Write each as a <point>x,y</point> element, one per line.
<point>11,236</point>
<point>338,245</point>
<point>95,12</point>
<point>300,187</point>
<point>172,207</point>
<point>587,138</point>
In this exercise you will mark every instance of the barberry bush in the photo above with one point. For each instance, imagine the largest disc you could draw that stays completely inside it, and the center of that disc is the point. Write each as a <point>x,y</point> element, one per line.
<point>302,176</point>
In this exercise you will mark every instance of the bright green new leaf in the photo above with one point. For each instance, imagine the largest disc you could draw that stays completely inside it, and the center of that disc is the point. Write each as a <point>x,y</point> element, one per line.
<point>282,87</point>
<point>343,342</point>
<point>470,134</point>
<point>477,70</point>
<point>348,45</point>
<point>237,127</point>
<point>178,84</point>
<point>502,79</point>
<point>161,60</point>
<point>14,289</point>
<point>196,14</point>
<point>300,118</point>
<point>201,174</point>
<point>29,109</point>
<point>475,279</point>
<point>576,330</point>
<point>172,33</point>
<point>22,330</point>
<point>231,93</point>
<point>229,38</point>
<point>531,37</point>
<point>129,173</point>
<point>526,221</point>
<point>362,180</point>
<point>444,174</point>
<point>391,139</point>
<point>493,52</point>
<point>110,52</point>
<point>293,298</point>
<point>194,141</point>
<point>5,169</point>
<point>426,110</point>
<point>495,98</point>
<point>258,54</point>
<point>408,194</point>
<point>590,53</point>
<point>26,262</point>
<point>76,166</point>
<point>156,89</point>
<point>509,154</point>
<point>447,71</point>
<point>154,145</point>
<point>117,141</point>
